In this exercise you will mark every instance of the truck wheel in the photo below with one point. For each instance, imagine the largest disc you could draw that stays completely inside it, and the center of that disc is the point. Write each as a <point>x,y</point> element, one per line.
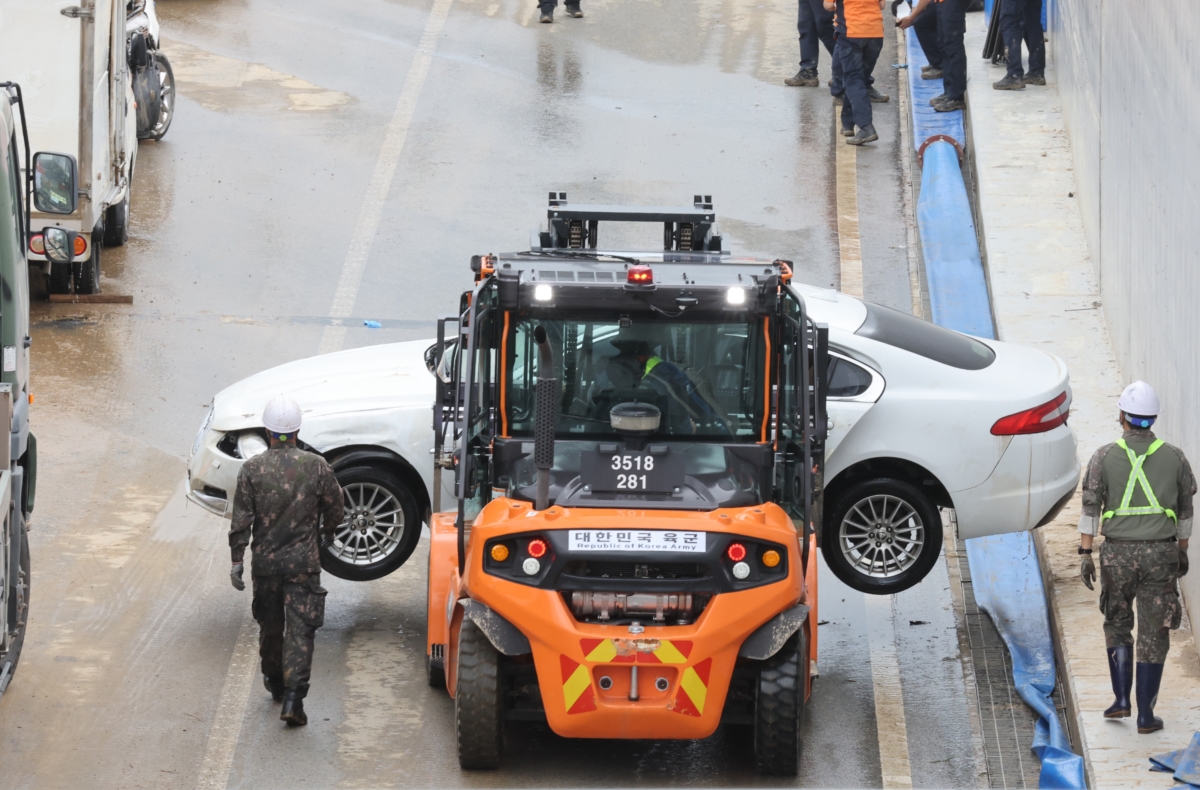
<point>87,273</point>
<point>116,223</point>
<point>882,536</point>
<point>381,527</point>
<point>9,660</point>
<point>779,709</point>
<point>60,278</point>
<point>478,701</point>
<point>166,98</point>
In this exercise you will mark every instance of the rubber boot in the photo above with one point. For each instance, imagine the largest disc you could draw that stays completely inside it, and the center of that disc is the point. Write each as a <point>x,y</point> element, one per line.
<point>293,707</point>
<point>275,686</point>
<point>1149,678</point>
<point>1120,669</point>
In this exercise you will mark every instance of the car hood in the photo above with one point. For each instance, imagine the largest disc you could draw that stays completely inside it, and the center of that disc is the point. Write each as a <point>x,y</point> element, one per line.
<point>359,380</point>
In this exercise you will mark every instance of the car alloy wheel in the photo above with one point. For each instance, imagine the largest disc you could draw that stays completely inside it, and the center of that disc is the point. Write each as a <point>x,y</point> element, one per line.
<point>881,536</point>
<point>373,527</point>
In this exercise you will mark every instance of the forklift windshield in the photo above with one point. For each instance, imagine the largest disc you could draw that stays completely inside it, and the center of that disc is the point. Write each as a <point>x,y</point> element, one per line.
<point>705,376</point>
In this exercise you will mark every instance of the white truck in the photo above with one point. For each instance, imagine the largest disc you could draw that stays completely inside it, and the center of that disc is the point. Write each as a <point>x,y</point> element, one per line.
<point>71,61</point>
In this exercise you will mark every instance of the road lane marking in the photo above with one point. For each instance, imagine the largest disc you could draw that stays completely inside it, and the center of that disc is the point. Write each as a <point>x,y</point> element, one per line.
<point>906,153</point>
<point>889,698</point>
<point>333,336</point>
<point>849,245</point>
<point>231,709</point>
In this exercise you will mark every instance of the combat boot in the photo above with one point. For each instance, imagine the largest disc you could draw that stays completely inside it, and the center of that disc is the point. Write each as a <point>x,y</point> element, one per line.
<point>805,78</point>
<point>1120,669</point>
<point>293,707</point>
<point>876,96</point>
<point>865,134</point>
<point>275,686</point>
<point>547,16</point>
<point>848,131</point>
<point>949,105</point>
<point>930,73</point>
<point>1149,677</point>
<point>1035,79</point>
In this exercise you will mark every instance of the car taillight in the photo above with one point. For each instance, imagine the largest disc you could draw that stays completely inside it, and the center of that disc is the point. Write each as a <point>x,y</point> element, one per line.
<point>536,548</point>
<point>37,244</point>
<point>1039,419</point>
<point>80,245</point>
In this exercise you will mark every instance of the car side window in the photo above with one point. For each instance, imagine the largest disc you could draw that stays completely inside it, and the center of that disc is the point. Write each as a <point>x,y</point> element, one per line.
<point>846,379</point>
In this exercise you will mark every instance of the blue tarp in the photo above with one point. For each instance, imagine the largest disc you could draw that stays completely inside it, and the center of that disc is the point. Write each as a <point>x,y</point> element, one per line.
<point>1005,571</point>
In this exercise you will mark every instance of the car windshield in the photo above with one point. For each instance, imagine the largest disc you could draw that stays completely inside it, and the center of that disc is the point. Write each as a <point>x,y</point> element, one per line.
<point>705,377</point>
<point>921,337</point>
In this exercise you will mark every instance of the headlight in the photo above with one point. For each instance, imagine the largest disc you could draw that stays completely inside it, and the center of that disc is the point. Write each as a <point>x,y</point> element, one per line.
<point>250,444</point>
<point>208,418</point>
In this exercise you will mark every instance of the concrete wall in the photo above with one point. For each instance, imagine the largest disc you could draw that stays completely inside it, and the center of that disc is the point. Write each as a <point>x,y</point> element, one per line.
<point>1129,78</point>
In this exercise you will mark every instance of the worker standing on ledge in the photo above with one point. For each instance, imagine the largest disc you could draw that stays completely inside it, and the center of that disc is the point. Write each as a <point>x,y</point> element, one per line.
<point>282,495</point>
<point>1139,491</point>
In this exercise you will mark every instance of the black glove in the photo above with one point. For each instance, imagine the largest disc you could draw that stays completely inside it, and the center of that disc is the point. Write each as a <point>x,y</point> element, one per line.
<point>1183,563</point>
<point>235,577</point>
<point>1087,571</point>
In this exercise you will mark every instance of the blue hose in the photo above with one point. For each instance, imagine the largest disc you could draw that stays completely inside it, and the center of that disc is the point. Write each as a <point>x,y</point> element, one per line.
<point>1005,572</point>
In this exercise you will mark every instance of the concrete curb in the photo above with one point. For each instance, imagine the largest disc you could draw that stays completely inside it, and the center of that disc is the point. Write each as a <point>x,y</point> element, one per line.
<point>1044,294</point>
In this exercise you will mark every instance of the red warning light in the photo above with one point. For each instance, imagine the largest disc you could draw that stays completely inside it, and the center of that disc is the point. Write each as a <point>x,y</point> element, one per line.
<point>736,552</point>
<point>536,548</point>
<point>640,275</point>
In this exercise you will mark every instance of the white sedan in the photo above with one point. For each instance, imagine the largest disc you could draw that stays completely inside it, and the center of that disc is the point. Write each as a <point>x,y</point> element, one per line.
<point>921,418</point>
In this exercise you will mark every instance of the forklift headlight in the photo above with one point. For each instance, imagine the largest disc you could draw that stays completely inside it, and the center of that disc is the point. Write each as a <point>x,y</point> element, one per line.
<point>543,293</point>
<point>735,296</point>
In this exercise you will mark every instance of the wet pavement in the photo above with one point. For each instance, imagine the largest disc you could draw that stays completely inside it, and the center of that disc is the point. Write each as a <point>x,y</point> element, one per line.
<point>243,222</point>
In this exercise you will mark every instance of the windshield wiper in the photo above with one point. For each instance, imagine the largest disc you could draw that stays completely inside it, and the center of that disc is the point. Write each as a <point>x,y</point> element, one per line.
<point>582,254</point>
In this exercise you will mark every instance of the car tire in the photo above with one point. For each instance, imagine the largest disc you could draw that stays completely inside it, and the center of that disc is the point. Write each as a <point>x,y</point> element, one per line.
<point>8,661</point>
<point>87,273</point>
<point>478,701</point>
<point>166,99</point>
<point>779,709</point>
<point>899,513</point>
<point>116,223</point>
<point>60,278</point>
<point>385,508</point>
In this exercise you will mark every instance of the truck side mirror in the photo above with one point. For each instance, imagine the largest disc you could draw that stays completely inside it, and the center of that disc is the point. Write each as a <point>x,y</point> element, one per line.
<point>54,180</point>
<point>59,244</point>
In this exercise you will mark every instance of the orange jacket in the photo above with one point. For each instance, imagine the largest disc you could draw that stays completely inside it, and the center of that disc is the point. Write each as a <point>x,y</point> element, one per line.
<point>860,18</point>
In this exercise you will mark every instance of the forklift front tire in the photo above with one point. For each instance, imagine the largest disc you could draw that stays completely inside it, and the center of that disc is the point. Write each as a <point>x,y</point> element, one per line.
<point>478,701</point>
<point>779,709</point>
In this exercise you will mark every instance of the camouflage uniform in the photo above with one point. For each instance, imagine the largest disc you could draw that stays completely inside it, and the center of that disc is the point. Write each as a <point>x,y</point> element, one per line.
<point>284,497</point>
<point>1139,558</point>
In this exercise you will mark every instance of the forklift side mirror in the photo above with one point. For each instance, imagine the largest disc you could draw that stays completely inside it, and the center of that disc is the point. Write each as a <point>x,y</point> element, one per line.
<point>54,180</point>
<point>59,243</point>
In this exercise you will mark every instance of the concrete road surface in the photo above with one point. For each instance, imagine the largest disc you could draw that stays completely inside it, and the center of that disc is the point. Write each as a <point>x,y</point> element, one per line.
<point>330,163</point>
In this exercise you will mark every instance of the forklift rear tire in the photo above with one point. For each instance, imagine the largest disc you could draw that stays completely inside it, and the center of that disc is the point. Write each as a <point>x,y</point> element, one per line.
<point>779,709</point>
<point>478,701</point>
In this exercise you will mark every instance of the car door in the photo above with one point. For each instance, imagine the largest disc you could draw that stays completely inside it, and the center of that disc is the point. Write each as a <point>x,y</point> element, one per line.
<point>853,389</point>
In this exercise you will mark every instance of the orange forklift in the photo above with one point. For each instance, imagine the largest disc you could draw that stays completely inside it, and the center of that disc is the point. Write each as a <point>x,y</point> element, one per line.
<point>637,446</point>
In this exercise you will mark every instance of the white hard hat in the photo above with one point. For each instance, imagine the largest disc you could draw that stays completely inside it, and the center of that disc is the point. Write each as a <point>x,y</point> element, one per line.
<point>1139,398</point>
<point>282,415</point>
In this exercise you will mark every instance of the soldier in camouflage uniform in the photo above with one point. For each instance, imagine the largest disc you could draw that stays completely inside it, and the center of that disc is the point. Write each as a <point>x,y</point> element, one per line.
<point>1139,492</point>
<point>289,501</point>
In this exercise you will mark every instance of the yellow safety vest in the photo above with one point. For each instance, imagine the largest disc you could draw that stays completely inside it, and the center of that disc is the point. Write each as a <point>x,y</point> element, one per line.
<point>1138,475</point>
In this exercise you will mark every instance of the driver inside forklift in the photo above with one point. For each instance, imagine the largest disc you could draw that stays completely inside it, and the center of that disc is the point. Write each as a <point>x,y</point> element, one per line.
<point>704,376</point>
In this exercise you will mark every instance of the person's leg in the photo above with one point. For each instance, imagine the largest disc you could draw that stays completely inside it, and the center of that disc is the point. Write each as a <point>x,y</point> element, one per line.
<point>952,26</point>
<point>1012,30</point>
<point>856,94</point>
<point>1035,39</point>
<point>806,25</point>
<point>267,608</point>
<point>1116,597</point>
<point>1158,611</point>
<point>824,27</point>
<point>870,58</point>
<point>304,605</point>
<point>837,87</point>
<point>546,9</point>
<point>926,29</point>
